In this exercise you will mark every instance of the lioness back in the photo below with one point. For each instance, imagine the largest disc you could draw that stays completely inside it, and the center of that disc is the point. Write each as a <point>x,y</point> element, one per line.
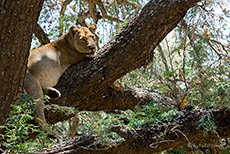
<point>44,64</point>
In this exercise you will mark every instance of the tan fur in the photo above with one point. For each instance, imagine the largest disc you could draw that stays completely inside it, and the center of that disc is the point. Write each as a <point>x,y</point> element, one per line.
<point>47,63</point>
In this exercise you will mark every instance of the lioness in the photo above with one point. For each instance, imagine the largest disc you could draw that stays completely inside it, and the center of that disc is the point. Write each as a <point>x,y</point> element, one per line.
<point>47,63</point>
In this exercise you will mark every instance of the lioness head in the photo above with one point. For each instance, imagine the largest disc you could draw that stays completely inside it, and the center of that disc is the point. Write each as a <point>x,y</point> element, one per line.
<point>84,39</point>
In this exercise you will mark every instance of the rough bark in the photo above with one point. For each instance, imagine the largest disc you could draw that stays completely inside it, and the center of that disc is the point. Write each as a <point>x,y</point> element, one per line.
<point>85,83</point>
<point>161,137</point>
<point>17,19</point>
<point>122,100</point>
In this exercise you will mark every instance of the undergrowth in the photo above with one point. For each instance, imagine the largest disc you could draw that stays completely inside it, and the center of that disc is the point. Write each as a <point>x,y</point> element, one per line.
<point>18,128</point>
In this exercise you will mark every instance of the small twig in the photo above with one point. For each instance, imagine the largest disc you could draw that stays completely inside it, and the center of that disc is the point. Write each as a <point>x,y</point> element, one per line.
<point>126,2</point>
<point>173,130</point>
<point>159,142</point>
<point>163,57</point>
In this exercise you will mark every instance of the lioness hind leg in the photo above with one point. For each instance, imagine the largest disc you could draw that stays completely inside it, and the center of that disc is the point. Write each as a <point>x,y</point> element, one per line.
<point>32,87</point>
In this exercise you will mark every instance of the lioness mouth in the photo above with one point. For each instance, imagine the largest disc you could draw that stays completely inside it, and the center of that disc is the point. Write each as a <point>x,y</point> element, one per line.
<point>89,54</point>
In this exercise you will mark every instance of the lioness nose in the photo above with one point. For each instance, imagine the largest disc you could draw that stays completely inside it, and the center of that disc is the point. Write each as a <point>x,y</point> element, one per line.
<point>91,47</point>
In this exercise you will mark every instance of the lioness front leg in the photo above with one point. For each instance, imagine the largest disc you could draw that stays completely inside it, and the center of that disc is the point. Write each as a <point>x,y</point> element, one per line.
<point>33,88</point>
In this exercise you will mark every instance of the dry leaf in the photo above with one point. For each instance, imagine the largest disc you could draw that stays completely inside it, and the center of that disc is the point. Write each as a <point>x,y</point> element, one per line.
<point>73,8</point>
<point>221,18</point>
<point>205,76</point>
<point>177,62</point>
<point>206,32</point>
<point>62,2</point>
<point>183,104</point>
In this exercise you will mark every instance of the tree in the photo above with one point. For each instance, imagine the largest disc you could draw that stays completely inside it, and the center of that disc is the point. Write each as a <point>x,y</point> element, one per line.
<point>85,85</point>
<point>17,21</point>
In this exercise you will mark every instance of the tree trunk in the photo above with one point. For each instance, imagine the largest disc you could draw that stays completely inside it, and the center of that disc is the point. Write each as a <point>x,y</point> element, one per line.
<point>162,136</point>
<point>17,19</point>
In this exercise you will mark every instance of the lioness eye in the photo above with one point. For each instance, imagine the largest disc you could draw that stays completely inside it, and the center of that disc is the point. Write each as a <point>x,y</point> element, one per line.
<point>93,37</point>
<point>83,39</point>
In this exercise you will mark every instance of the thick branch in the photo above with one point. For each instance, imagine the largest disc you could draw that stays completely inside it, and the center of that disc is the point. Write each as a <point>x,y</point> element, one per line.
<point>161,137</point>
<point>126,99</point>
<point>123,100</point>
<point>131,48</point>
<point>17,19</point>
<point>82,16</point>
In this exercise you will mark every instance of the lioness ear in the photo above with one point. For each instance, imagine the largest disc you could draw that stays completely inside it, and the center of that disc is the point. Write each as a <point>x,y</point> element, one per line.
<point>73,30</point>
<point>93,28</point>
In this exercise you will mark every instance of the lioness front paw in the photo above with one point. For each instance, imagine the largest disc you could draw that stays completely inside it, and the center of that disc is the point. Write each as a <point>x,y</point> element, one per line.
<point>53,93</point>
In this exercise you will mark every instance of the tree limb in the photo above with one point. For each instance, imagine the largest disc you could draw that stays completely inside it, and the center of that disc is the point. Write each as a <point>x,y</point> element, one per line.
<point>17,21</point>
<point>93,13</point>
<point>123,100</point>
<point>162,136</point>
<point>104,12</point>
<point>40,34</point>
